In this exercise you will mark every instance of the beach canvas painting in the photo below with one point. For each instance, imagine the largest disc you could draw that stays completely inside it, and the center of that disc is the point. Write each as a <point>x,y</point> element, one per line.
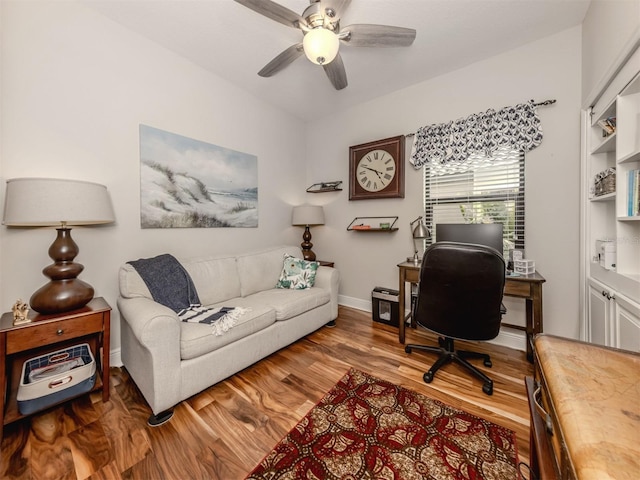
<point>186,183</point>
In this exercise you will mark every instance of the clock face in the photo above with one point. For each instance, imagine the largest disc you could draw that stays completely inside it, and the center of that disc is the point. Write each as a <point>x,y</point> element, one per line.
<point>376,170</point>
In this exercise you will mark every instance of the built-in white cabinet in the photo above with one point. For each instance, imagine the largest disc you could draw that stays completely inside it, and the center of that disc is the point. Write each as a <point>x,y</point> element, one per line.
<point>613,319</point>
<point>626,323</point>
<point>612,213</point>
<point>600,313</point>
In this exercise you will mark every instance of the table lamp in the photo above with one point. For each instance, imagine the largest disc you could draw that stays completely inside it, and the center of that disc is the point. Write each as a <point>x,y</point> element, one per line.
<point>52,202</point>
<point>307,215</point>
<point>419,232</point>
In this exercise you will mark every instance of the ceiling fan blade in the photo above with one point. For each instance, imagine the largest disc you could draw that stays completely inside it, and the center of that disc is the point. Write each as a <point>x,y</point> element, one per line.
<point>337,6</point>
<point>274,11</point>
<point>282,60</point>
<point>336,73</point>
<point>365,35</point>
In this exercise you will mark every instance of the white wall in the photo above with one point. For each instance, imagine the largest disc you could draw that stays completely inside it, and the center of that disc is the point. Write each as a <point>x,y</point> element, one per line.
<point>75,87</point>
<point>546,69</point>
<point>609,28</point>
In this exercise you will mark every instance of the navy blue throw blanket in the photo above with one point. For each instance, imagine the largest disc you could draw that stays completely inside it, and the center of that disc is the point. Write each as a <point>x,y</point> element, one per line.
<point>168,282</point>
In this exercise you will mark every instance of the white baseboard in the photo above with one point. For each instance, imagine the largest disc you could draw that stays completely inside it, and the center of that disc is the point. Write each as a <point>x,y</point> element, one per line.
<point>512,339</point>
<point>355,303</point>
<point>506,338</point>
<point>115,359</point>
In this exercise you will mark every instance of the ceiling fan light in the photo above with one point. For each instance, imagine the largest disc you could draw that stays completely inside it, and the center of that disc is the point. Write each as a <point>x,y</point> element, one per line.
<point>321,45</point>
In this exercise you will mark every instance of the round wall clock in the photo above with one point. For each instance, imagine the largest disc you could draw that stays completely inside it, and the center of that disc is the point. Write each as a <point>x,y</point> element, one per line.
<point>376,169</point>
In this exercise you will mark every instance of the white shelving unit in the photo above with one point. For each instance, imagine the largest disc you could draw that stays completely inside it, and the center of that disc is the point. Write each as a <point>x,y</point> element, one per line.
<point>628,160</point>
<point>614,290</point>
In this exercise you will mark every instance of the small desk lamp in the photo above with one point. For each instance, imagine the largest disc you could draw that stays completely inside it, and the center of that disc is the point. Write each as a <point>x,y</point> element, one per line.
<point>418,233</point>
<point>52,202</point>
<point>307,215</point>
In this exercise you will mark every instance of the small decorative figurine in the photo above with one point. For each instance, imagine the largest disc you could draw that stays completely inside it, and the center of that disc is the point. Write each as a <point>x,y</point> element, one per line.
<point>20,312</point>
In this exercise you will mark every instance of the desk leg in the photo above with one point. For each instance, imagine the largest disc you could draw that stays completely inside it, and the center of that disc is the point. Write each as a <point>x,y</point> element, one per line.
<point>4,388</point>
<point>401,323</point>
<point>106,351</point>
<point>530,330</point>
<point>534,317</point>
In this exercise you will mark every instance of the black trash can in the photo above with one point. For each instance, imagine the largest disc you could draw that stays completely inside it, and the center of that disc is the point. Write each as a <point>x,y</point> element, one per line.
<point>385,306</point>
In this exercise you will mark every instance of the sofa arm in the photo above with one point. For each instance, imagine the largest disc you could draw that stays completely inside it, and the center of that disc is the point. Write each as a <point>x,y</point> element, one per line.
<point>329,279</point>
<point>150,337</point>
<point>149,320</point>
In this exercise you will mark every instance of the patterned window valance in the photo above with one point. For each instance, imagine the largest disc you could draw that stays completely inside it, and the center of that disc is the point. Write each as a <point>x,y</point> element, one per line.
<point>448,147</point>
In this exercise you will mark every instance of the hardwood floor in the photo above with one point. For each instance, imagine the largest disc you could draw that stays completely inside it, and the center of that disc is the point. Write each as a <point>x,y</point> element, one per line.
<point>223,432</point>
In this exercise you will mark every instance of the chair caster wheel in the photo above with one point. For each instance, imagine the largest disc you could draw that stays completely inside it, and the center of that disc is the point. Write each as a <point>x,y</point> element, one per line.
<point>407,349</point>
<point>488,388</point>
<point>428,377</point>
<point>487,363</point>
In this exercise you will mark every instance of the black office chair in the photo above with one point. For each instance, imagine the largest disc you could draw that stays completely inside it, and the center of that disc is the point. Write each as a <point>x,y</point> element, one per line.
<point>460,297</point>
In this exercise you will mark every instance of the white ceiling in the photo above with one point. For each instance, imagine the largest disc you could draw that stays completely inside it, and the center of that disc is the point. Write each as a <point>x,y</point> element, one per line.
<point>234,42</point>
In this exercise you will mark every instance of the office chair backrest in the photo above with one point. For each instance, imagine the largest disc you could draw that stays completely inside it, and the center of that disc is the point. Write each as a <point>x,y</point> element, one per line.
<point>461,288</point>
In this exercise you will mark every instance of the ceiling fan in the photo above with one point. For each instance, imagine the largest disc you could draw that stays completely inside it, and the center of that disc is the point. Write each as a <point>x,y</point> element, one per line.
<point>320,25</point>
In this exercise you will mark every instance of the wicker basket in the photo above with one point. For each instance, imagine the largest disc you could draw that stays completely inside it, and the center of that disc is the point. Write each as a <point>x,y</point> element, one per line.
<point>605,182</point>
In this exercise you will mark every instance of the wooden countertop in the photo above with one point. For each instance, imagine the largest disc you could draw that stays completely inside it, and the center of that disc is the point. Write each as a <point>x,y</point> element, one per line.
<point>595,392</point>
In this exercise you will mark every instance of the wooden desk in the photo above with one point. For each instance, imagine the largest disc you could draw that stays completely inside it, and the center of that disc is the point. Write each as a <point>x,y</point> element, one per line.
<point>45,334</point>
<point>585,413</point>
<point>528,287</point>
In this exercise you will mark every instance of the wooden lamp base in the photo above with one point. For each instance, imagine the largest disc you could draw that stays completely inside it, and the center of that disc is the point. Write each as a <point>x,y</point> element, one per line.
<point>64,292</point>
<point>306,245</point>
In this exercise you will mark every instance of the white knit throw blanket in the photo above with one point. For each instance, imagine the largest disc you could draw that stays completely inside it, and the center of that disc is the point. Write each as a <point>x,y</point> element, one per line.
<point>221,319</point>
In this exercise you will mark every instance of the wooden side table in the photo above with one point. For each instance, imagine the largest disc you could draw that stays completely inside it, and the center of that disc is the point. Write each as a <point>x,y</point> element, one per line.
<point>47,333</point>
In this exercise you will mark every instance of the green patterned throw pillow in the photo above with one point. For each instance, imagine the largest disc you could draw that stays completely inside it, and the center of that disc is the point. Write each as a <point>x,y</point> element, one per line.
<point>297,274</point>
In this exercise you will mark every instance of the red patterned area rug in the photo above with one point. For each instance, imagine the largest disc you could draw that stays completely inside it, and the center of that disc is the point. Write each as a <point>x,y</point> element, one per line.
<point>367,428</point>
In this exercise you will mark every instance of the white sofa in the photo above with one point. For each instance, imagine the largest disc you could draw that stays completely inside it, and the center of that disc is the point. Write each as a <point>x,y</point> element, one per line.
<point>170,360</point>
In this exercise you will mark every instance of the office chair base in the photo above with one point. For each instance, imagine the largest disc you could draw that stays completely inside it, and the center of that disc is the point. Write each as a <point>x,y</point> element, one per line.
<point>449,354</point>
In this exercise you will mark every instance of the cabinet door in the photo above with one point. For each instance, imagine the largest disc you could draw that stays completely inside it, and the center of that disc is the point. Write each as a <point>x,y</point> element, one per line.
<point>627,323</point>
<point>599,314</point>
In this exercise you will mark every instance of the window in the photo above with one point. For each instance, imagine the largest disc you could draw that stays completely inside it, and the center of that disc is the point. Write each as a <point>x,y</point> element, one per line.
<point>481,191</point>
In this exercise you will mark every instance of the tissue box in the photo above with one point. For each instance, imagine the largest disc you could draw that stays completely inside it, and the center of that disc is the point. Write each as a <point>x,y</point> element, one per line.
<point>516,255</point>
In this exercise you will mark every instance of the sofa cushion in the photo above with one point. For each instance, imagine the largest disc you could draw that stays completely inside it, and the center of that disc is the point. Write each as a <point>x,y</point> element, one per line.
<point>216,278</point>
<point>196,339</point>
<point>260,270</point>
<point>297,274</point>
<point>168,281</point>
<point>288,303</point>
<point>131,283</point>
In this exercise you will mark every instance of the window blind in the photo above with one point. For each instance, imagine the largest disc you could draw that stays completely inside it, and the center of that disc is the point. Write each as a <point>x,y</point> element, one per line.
<point>487,190</point>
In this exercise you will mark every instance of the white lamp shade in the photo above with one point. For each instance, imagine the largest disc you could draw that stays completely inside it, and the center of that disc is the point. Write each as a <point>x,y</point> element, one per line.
<point>321,45</point>
<point>307,215</point>
<point>40,202</point>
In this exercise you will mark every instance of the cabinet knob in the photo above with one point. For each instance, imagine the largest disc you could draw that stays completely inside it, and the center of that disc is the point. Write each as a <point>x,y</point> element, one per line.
<point>59,332</point>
